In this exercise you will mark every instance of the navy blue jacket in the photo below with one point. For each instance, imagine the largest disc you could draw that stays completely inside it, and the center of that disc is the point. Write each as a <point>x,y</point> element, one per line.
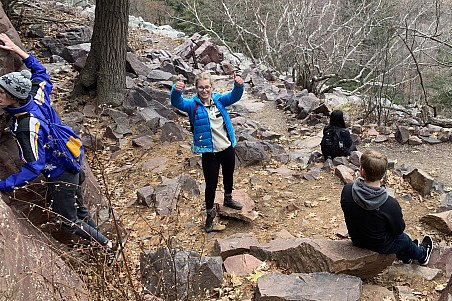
<point>32,134</point>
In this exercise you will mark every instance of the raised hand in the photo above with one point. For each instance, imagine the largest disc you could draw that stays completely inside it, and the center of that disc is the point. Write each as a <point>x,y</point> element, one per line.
<point>7,44</point>
<point>238,79</point>
<point>180,84</point>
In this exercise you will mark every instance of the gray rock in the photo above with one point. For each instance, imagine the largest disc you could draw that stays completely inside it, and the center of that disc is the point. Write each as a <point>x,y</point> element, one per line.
<point>165,197</point>
<point>404,169</point>
<point>135,65</point>
<point>355,158</point>
<point>446,203</point>
<point>144,195</point>
<point>91,141</point>
<point>441,258</point>
<point>250,153</point>
<point>402,134</point>
<point>189,185</point>
<point>72,53</point>
<point>176,274</point>
<point>143,140</point>
<point>314,286</point>
<point>344,173</point>
<point>312,174</point>
<point>159,75</point>
<point>414,140</point>
<point>414,270</point>
<point>172,131</point>
<point>430,140</point>
<point>420,181</point>
<point>340,161</point>
<point>235,244</point>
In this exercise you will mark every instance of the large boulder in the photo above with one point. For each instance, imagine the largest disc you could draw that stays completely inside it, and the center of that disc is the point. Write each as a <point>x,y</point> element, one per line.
<point>177,274</point>
<point>9,61</point>
<point>29,266</point>
<point>304,255</point>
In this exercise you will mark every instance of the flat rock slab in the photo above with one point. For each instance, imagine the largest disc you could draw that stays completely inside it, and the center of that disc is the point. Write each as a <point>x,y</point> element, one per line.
<point>414,270</point>
<point>153,163</point>
<point>241,264</point>
<point>320,255</point>
<point>247,213</point>
<point>441,221</point>
<point>235,244</point>
<point>315,286</point>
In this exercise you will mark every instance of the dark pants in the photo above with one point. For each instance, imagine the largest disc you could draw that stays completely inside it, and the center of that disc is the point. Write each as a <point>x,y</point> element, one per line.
<point>406,249</point>
<point>211,168</point>
<point>65,198</point>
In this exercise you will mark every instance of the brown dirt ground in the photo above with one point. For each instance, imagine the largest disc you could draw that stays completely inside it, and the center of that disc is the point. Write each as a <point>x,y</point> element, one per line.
<point>319,215</point>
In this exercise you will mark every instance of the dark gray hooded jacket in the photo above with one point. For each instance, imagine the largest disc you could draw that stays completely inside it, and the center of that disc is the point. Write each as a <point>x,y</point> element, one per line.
<point>373,218</point>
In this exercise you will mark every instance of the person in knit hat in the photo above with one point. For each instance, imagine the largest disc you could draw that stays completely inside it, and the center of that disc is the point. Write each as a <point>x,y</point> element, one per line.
<point>17,84</point>
<point>25,96</point>
<point>374,219</point>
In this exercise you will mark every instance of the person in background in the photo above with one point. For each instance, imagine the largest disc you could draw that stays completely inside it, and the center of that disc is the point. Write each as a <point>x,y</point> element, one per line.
<point>337,141</point>
<point>374,219</point>
<point>213,136</point>
<point>25,96</point>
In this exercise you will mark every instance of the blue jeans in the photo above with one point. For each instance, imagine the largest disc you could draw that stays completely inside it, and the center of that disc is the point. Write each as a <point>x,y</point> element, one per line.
<point>65,198</point>
<point>406,249</point>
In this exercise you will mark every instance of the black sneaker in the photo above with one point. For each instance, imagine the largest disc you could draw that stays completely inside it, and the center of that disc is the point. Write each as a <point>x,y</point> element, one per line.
<point>410,261</point>
<point>427,243</point>
<point>209,221</point>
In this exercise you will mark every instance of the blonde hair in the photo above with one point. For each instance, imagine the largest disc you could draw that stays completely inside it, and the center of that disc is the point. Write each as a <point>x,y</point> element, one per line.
<point>374,164</point>
<point>203,76</point>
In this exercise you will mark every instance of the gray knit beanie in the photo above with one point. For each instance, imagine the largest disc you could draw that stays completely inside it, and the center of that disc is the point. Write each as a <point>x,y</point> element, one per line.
<point>17,84</point>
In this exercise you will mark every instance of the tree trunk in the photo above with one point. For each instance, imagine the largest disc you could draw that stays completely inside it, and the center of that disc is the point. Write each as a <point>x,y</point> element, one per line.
<point>106,63</point>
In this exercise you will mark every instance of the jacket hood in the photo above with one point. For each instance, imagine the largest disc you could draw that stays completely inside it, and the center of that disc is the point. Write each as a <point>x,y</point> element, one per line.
<point>368,197</point>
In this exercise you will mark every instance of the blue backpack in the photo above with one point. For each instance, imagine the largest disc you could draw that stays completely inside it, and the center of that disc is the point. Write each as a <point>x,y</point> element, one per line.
<point>67,146</point>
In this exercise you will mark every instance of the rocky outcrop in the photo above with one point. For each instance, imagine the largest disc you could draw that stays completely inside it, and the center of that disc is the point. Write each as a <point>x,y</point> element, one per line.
<point>314,286</point>
<point>441,221</point>
<point>28,264</point>
<point>235,244</point>
<point>177,274</point>
<point>304,255</point>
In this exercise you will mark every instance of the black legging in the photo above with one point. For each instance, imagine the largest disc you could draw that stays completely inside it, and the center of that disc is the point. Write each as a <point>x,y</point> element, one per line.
<point>211,168</point>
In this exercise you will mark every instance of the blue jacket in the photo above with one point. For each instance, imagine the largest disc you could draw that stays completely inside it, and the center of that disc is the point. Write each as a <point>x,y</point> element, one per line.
<point>202,132</point>
<point>31,132</point>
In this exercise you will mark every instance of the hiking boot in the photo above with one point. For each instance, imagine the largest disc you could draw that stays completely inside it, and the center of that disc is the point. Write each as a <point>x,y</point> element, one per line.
<point>209,221</point>
<point>229,202</point>
<point>410,261</point>
<point>427,243</point>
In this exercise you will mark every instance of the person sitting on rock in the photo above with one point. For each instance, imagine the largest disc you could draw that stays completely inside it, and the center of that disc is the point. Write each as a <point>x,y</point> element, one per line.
<point>374,219</point>
<point>336,141</point>
<point>25,96</point>
<point>213,135</point>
